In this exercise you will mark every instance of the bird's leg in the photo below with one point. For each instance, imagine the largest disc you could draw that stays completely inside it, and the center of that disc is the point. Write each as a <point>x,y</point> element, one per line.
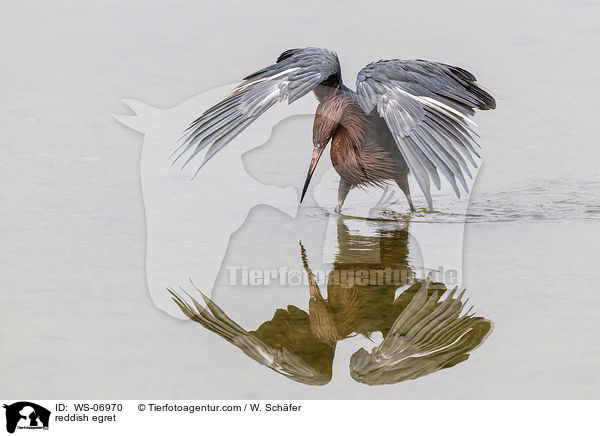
<point>343,190</point>
<point>403,184</point>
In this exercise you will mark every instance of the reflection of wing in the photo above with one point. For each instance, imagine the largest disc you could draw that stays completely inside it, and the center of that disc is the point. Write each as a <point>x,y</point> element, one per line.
<point>295,74</point>
<point>426,107</point>
<point>278,359</point>
<point>427,336</point>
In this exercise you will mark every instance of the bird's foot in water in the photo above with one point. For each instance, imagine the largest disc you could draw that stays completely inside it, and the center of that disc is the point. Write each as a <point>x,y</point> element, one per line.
<point>338,209</point>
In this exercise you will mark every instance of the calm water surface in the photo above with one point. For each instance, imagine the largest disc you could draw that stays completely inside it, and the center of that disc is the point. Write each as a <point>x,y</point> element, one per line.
<point>75,311</point>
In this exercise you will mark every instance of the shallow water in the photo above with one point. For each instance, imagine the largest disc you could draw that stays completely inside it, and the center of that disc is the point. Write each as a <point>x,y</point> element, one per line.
<point>557,200</point>
<point>76,317</point>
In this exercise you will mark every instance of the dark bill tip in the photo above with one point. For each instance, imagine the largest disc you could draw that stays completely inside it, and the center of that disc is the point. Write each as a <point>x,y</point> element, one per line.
<point>317,152</point>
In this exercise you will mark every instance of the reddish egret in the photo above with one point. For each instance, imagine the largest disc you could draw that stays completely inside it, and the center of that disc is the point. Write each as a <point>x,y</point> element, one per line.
<point>406,116</point>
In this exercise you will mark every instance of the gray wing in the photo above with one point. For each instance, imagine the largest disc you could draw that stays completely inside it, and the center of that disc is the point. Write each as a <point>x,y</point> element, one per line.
<point>295,74</point>
<point>426,105</point>
<point>427,336</point>
<point>279,360</point>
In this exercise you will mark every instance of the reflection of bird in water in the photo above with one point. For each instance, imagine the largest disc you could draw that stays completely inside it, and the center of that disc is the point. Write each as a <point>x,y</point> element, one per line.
<point>422,332</point>
<point>405,115</point>
<point>359,295</point>
<point>427,336</point>
<point>283,344</point>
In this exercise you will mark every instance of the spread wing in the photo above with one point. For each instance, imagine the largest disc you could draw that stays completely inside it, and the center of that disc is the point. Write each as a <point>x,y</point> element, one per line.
<point>280,360</point>
<point>427,336</point>
<point>295,74</point>
<point>426,105</point>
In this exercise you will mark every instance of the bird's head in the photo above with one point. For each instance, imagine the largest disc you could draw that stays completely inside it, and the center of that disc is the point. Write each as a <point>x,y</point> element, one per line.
<point>327,119</point>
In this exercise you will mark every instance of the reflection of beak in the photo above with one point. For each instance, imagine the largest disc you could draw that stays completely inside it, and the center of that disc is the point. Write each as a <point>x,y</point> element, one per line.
<point>317,152</point>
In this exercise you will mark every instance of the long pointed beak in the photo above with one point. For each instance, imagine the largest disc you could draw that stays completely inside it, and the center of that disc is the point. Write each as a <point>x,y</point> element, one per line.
<point>317,152</point>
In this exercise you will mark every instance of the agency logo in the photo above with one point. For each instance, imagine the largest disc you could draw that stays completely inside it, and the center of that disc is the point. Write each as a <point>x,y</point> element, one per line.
<point>26,415</point>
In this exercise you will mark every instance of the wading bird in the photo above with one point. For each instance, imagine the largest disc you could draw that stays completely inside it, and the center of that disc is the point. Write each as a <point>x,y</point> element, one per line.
<point>406,116</point>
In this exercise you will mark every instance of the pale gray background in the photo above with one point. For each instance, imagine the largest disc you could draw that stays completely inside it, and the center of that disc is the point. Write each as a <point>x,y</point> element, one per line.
<point>75,317</point>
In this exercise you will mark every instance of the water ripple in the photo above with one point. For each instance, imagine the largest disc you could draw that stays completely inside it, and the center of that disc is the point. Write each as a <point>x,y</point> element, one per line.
<point>555,200</point>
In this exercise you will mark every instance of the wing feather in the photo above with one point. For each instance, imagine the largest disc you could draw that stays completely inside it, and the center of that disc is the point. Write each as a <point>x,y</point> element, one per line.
<point>426,106</point>
<point>295,74</point>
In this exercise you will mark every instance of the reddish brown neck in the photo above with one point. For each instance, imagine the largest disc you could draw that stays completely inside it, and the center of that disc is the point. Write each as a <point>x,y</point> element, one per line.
<point>342,118</point>
<point>351,132</point>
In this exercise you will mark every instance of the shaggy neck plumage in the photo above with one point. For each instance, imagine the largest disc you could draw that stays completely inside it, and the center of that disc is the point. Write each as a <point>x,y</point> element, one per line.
<point>352,126</point>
